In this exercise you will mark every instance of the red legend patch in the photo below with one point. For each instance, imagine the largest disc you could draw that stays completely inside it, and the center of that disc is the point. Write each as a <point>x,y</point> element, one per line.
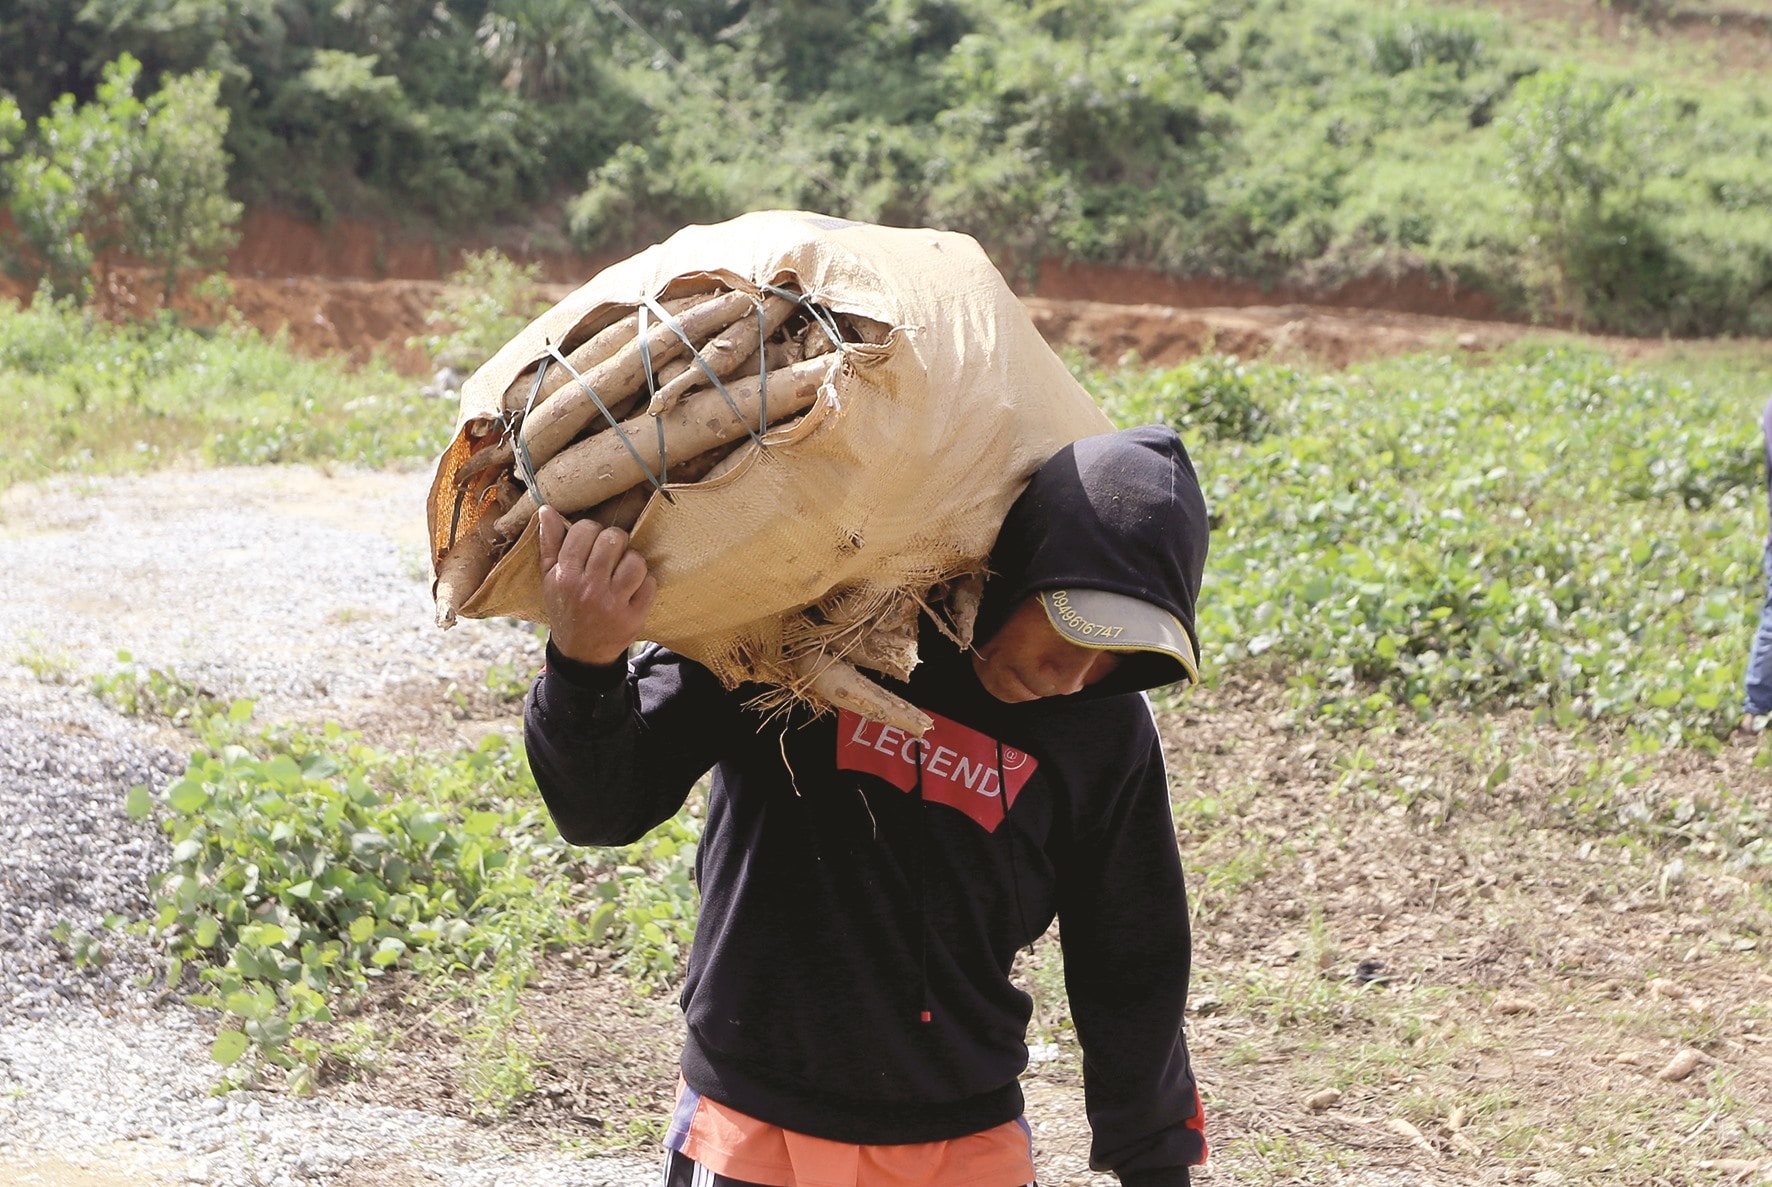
<point>960,765</point>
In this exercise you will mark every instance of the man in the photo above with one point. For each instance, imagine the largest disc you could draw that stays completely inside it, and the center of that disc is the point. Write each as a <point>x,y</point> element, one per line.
<point>1757,687</point>
<point>850,1016</point>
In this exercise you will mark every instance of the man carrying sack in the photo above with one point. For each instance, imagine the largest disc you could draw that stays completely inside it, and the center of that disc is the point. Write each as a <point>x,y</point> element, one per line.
<point>850,1017</point>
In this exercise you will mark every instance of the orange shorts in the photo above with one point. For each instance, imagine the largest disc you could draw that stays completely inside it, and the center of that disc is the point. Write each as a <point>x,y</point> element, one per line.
<point>736,1146</point>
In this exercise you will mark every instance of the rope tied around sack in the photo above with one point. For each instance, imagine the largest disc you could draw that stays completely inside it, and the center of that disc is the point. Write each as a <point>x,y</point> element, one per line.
<point>513,422</point>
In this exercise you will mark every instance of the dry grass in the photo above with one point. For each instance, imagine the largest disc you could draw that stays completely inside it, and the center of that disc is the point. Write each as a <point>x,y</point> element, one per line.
<point>1482,961</point>
<point>1434,956</point>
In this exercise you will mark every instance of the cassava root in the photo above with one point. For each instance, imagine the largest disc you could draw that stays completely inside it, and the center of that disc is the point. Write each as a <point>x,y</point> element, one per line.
<point>600,347</point>
<point>601,466</point>
<point>735,345</point>
<point>623,511</point>
<point>841,684</point>
<point>550,428</point>
<point>474,552</point>
<point>617,380</point>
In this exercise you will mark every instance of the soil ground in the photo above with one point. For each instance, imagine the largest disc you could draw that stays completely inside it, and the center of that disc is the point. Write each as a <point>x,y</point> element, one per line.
<point>1421,958</point>
<point>1152,320</point>
<point>1458,952</point>
<point>354,290</point>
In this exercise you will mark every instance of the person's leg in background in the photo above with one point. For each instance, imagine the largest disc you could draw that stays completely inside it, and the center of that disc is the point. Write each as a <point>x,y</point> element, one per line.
<point>1757,687</point>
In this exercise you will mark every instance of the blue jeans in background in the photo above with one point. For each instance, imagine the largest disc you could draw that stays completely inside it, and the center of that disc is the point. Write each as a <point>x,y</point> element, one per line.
<point>1758,686</point>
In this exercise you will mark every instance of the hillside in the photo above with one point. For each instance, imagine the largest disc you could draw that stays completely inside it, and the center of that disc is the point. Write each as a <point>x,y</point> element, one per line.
<point>1603,166</point>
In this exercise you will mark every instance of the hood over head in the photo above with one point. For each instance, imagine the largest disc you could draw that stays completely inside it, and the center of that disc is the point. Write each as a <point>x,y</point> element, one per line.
<point>1112,533</point>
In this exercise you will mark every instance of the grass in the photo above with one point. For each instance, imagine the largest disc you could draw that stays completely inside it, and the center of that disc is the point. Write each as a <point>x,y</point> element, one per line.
<point>84,396</point>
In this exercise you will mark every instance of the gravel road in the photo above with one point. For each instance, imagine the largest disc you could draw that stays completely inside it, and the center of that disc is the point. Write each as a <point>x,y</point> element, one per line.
<point>304,590</point>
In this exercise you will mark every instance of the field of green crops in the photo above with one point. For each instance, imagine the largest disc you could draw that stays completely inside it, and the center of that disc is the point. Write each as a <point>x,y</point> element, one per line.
<point>1551,527</point>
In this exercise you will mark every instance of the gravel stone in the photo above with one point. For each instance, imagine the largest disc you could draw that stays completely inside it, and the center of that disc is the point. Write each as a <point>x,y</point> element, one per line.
<point>305,591</point>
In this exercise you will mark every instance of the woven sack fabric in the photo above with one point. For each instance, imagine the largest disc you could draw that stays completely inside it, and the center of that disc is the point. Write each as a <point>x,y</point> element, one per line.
<point>893,484</point>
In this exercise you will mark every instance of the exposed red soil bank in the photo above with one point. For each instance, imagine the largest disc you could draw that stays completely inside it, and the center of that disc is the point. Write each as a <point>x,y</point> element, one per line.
<point>358,289</point>
<point>273,244</point>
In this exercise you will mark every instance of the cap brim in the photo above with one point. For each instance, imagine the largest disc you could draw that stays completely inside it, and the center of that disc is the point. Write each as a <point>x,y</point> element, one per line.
<point>1107,621</point>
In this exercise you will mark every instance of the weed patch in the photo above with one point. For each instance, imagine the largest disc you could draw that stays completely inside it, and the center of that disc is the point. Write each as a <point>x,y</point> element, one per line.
<point>307,866</point>
<point>89,396</point>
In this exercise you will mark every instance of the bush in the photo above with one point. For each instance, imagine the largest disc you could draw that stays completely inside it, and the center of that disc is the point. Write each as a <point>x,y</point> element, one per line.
<point>485,303</point>
<point>1580,152</point>
<point>1211,398</point>
<point>307,865</point>
<point>143,178</point>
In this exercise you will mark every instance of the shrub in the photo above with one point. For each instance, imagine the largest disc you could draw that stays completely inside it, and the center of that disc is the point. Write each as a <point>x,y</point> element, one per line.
<point>485,303</point>
<point>306,865</point>
<point>1580,150</point>
<point>1210,398</point>
<point>120,175</point>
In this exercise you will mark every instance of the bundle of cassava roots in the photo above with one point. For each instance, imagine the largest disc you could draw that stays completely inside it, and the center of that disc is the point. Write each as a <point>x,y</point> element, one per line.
<point>812,426</point>
<point>673,391</point>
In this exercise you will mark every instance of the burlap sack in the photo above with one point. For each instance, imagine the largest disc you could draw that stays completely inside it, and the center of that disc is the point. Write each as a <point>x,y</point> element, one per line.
<point>894,484</point>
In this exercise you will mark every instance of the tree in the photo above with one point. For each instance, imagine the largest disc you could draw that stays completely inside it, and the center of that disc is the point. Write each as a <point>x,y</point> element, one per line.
<point>12,130</point>
<point>1088,144</point>
<point>541,48</point>
<point>180,215</point>
<point>120,176</point>
<point>12,124</point>
<point>1580,151</point>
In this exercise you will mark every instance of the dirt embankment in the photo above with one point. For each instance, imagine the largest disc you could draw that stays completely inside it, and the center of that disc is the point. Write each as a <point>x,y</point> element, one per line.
<point>358,318</point>
<point>275,245</point>
<point>358,289</point>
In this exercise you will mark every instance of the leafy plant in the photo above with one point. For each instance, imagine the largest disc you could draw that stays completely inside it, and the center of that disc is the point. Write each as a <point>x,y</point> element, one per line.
<point>47,666</point>
<point>307,865</point>
<point>1303,143</point>
<point>484,304</point>
<point>1212,397</point>
<point>143,178</point>
<point>631,198</point>
<point>1554,531</point>
<point>85,948</point>
<point>142,691</point>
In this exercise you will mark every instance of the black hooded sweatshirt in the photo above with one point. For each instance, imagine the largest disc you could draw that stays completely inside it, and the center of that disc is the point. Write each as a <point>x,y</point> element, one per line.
<point>864,892</point>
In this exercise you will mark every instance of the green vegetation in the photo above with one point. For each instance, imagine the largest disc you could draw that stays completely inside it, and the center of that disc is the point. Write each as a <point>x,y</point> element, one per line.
<point>307,865</point>
<point>1553,529</point>
<point>1620,185</point>
<point>85,395</point>
<point>145,179</point>
<point>490,299</point>
<point>1421,542</point>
